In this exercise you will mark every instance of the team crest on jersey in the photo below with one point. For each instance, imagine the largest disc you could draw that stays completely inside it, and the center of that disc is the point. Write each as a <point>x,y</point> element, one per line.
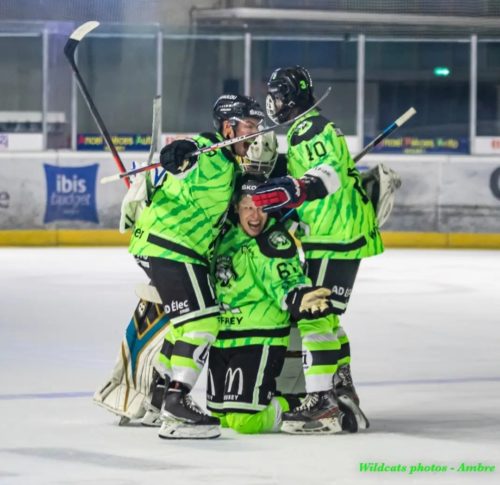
<point>224,270</point>
<point>303,127</point>
<point>279,241</point>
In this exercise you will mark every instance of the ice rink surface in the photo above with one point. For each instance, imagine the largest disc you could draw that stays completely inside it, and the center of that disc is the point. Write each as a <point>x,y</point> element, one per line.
<point>425,335</point>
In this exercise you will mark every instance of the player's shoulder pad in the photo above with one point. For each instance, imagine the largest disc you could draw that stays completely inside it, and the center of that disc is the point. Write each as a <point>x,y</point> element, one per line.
<point>212,139</point>
<point>309,128</point>
<point>276,242</point>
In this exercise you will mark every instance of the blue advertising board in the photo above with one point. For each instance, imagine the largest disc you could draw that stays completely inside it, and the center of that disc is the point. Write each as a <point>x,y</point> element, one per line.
<point>71,193</point>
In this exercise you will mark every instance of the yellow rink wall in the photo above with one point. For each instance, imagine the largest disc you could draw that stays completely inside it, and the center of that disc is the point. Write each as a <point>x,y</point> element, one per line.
<point>103,237</point>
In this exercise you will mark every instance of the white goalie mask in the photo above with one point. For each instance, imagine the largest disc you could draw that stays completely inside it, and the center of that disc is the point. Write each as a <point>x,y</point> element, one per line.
<point>261,155</point>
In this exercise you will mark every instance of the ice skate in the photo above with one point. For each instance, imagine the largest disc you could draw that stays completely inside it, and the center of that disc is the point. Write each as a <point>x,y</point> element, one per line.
<point>318,414</point>
<point>158,387</point>
<point>354,419</point>
<point>182,418</point>
<point>342,382</point>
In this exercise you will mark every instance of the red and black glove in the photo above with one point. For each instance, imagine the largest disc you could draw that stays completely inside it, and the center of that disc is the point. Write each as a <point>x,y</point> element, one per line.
<point>280,192</point>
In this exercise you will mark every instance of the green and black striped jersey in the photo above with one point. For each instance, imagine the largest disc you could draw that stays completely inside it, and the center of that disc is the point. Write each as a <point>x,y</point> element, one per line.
<point>185,214</point>
<point>342,225</point>
<point>252,278</point>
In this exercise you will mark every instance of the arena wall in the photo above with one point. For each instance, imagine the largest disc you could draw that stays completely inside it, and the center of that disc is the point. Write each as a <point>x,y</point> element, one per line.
<point>55,198</point>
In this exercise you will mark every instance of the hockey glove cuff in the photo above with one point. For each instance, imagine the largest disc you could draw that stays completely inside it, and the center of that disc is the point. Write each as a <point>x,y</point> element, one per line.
<point>280,192</point>
<point>309,302</point>
<point>175,158</point>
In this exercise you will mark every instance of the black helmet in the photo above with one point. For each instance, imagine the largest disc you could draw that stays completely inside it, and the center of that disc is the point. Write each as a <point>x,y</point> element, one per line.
<point>287,88</point>
<point>248,183</point>
<point>233,107</point>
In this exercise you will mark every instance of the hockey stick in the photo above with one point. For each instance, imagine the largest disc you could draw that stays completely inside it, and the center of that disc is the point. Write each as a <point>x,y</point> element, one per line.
<point>384,134</point>
<point>392,127</point>
<point>155,139</point>
<point>217,146</point>
<point>69,51</point>
<point>156,128</point>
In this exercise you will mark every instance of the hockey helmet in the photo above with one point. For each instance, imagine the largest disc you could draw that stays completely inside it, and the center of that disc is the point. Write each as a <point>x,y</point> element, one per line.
<point>288,88</point>
<point>234,107</point>
<point>261,155</point>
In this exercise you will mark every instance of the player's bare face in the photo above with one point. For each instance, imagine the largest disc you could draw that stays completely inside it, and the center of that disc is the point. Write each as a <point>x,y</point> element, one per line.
<point>252,218</point>
<point>245,126</point>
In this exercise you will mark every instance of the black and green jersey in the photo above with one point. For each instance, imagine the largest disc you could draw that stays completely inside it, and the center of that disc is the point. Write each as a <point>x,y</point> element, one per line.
<point>185,214</point>
<point>343,225</point>
<point>252,278</point>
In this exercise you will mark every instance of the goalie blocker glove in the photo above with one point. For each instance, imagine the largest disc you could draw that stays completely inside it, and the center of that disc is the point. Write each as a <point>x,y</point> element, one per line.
<point>289,192</point>
<point>173,156</point>
<point>309,302</point>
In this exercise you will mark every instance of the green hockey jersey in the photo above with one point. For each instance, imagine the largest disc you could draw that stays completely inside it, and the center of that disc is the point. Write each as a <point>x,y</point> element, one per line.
<point>252,278</point>
<point>343,225</point>
<point>185,214</point>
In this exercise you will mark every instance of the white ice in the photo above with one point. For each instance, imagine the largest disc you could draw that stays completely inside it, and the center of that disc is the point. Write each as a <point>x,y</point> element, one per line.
<point>425,335</point>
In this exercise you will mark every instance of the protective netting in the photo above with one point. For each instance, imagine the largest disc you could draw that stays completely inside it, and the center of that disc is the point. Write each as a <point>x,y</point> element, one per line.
<point>148,10</point>
<point>467,8</point>
<point>145,46</point>
<point>379,17</point>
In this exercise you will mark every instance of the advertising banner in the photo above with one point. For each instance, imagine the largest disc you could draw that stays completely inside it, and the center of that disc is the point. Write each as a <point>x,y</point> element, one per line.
<point>487,145</point>
<point>60,190</point>
<point>412,145</point>
<point>71,193</point>
<point>21,142</point>
<point>123,142</point>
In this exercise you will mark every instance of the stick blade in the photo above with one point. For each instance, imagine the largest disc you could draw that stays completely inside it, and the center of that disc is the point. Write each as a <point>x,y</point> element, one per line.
<point>74,39</point>
<point>80,32</point>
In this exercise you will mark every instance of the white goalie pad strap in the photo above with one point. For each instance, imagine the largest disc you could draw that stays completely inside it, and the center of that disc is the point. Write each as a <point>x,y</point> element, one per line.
<point>148,293</point>
<point>327,175</point>
<point>126,392</point>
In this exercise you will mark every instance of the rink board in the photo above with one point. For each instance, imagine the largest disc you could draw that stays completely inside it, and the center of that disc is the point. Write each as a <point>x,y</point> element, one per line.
<point>109,237</point>
<point>55,198</point>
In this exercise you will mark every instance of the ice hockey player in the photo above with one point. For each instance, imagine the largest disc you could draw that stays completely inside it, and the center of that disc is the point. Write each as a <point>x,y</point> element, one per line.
<point>259,283</point>
<point>172,241</point>
<point>135,389</point>
<point>339,228</point>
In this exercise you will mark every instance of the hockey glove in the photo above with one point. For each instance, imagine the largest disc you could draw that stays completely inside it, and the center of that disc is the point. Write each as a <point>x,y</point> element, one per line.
<point>173,156</point>
<point>309,302</point>
<point>280,192</point>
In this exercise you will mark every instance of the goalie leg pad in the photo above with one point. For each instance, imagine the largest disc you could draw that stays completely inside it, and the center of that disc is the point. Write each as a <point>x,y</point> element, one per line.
<point>126,391</point>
